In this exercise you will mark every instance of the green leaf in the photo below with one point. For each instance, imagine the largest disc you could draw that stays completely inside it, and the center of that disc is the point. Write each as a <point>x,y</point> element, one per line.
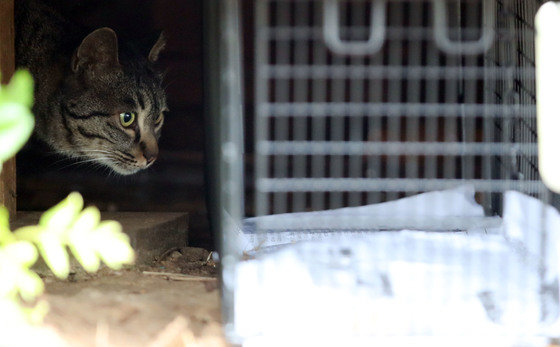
<point>4,218</point>
<point>108,228</point>
<point>12,313</point>
<point>9,274</point>
<point>54,254</point>
<point>87,220</point>
<point>36,314</point>
<point>28,233</point>
<point>79,239</point>
<point>113,246</point>
<point>16,126</point>
<point>5,233</point>
<point>16,120</point>
<point>85,254</point>
<point>21,252</point>
<point>61,216</point>
<point>20,89</point>
<point>30,285</point>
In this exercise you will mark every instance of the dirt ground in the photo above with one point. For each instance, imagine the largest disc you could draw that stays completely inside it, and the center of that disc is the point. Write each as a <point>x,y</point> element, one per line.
<point>172,302</point>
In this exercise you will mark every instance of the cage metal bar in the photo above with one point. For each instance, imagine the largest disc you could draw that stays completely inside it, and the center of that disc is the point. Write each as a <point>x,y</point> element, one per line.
<point>357,93</point>
<point>452,89</point>
<point>451,109</point>
<point>441,37</point>
<point>301,94</point>
<point>490,81</point>
<point>409,148</point>
<point>395,57</point>
<point>374,95</point>
<point>331,30</point>
<point>432,126</point>
<point>319,97</point>
<point>423,33</point>
<point>409,72</point>
<point>413,92</point>
<point>338,95</point>
<point>471,18</point>
<point>283,54</point>
<point>262,122</point>
<point>391,184</point>
<point>225,119</point>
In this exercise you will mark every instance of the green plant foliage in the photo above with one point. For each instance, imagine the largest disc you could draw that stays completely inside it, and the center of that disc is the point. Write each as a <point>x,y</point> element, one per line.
<point>16,119</point>
<point>65,226</point>
<point>16,258</point>
<point>90,240</point>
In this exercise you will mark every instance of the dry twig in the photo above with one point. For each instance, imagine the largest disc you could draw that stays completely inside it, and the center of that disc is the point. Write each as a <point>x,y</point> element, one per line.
<point>179,277</point>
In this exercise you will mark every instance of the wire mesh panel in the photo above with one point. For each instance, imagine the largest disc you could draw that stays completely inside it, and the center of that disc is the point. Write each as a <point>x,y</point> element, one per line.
<point>430,101</point>
<point>366,102</point>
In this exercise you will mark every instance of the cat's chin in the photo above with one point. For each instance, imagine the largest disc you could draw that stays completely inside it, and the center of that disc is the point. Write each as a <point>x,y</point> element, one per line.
<point>125,171</point>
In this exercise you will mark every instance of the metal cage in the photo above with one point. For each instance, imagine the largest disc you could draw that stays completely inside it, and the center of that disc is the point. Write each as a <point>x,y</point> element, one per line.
<point>361,102</point>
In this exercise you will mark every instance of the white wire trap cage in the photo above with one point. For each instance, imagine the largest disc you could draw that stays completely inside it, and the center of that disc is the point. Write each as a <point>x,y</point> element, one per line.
<point>391,187</point>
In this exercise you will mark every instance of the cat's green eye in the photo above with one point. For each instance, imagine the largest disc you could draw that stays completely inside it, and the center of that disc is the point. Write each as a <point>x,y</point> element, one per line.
<point>127,118</point>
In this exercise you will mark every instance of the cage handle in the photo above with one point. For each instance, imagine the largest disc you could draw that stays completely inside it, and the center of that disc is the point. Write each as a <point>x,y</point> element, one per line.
<point>331,30</point>
<point>441,35</point>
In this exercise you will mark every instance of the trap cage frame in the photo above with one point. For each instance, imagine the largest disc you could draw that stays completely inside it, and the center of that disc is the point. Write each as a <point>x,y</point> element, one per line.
<point>366,101</point>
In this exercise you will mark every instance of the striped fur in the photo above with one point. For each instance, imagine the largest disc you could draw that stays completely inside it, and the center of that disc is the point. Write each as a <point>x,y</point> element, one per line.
<point>83,83</point>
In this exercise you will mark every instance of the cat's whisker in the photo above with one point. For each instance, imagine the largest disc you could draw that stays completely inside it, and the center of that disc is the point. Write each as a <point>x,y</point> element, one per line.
<point>85,161</point>
<point>62,160</point>
<point>104,159</point>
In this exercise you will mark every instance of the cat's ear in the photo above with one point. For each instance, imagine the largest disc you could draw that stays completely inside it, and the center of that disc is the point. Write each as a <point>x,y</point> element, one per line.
<point>98,49</point>
<point>157,48</point>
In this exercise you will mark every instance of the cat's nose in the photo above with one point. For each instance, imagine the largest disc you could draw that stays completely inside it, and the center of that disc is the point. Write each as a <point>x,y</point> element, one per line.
<point>150,157</point>
<point>150,152</point>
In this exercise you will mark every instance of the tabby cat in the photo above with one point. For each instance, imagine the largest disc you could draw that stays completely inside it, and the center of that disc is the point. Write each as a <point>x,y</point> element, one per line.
<point>96,99</point>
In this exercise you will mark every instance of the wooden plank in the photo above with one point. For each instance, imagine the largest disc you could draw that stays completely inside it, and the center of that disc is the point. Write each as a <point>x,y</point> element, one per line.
<point>7,47</point>
<point>7,66</point>
<point>8,186</point>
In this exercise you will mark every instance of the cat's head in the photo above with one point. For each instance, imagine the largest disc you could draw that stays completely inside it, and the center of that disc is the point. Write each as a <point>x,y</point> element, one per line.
<point>112,104</point>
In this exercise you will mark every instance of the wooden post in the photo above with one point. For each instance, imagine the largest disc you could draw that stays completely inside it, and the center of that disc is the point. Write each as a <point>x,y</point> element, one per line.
<point>7,66</point>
